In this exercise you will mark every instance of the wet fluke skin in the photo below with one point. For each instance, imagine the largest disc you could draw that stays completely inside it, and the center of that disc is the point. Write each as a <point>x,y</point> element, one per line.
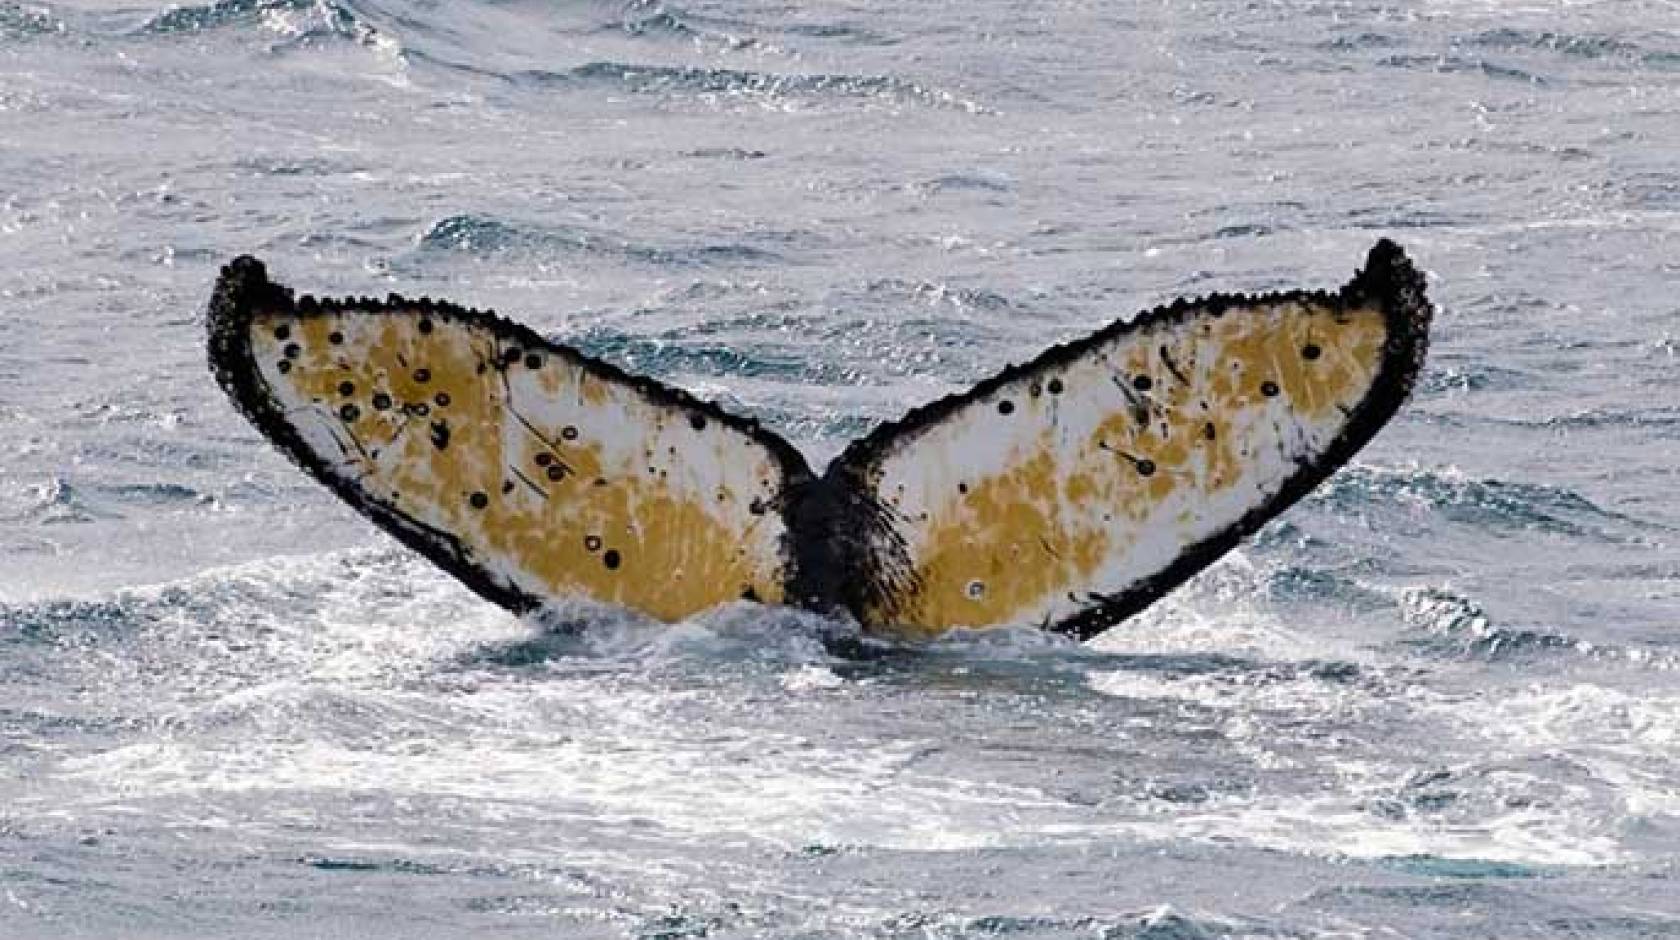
<point>1075,490</point>
<point>1070,492</point>
<point>522,467</point>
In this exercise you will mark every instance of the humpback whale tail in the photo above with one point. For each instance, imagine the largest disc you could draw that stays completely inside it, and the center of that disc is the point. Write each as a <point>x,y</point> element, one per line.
<point>1069,492</point>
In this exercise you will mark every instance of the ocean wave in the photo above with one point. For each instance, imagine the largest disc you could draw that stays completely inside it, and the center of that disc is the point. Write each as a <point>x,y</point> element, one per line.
<point>677,356</point>
<point>966,182</point>
<point>591,637</point>
<point>297,23</point>
<point>1308,689</point>
<point>51,621</point>
<point>1468,794</point>
<point>753,86</point>
<point>850,33</point>
<point>59,500</point>
<point>301,164</point>
<point>1382,217</point>
<point>1544,748</point>
<point>22,21</point>
<point>54,501</point>
<point>660,20</point>
<point>651,18</point>
<point>1460,625</point>
<point>1652,191</point>
<point>724,153</point>
<point>1452,624</point>
<point>1314,584</point>
<point>1373,801</point>
<point>1450,64</point>
<point>937,294</point>
<point>833,427</point>
<point>344,674</point>
<point>1585,46</point>
<point>325,17</point>
<point>1444,375</point>
<point>1160,923</point>
<point>1656,419</point>
<point>1360,40</point>
<point>1489,505</point>
<point>371,608</point>
<point>250,599</point>
<point>487,235</point>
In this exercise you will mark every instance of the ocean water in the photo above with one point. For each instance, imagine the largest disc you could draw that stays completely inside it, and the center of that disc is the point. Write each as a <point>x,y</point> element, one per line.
<point>1439,698</point>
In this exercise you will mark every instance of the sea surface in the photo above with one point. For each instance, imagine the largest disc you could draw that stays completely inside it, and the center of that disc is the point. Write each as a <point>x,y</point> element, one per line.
<point>1439,698</point>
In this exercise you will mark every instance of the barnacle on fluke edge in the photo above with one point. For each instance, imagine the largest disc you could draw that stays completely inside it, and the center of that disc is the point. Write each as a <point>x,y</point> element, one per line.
<point>1069,492</point>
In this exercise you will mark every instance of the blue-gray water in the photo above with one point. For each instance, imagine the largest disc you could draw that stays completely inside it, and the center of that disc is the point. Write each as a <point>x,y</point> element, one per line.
<point>1441,698</point>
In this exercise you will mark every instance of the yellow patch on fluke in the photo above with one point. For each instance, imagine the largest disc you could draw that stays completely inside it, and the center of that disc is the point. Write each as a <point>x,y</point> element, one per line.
<point>1168,418</point>
<point>557,481</point>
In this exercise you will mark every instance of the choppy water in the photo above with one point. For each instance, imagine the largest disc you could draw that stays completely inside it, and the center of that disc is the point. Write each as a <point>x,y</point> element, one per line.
<point>1440,698</point>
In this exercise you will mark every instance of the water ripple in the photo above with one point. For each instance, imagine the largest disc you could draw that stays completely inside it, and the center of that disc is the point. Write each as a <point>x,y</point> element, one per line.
<point>1447,64</point>
<point>22,21</point>
<point>1487,505</point>
<point>1459,625</point>
<point>761,87</point>
<point>325,17</point>
<point>487,235</point>
<point>1587,46</point>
